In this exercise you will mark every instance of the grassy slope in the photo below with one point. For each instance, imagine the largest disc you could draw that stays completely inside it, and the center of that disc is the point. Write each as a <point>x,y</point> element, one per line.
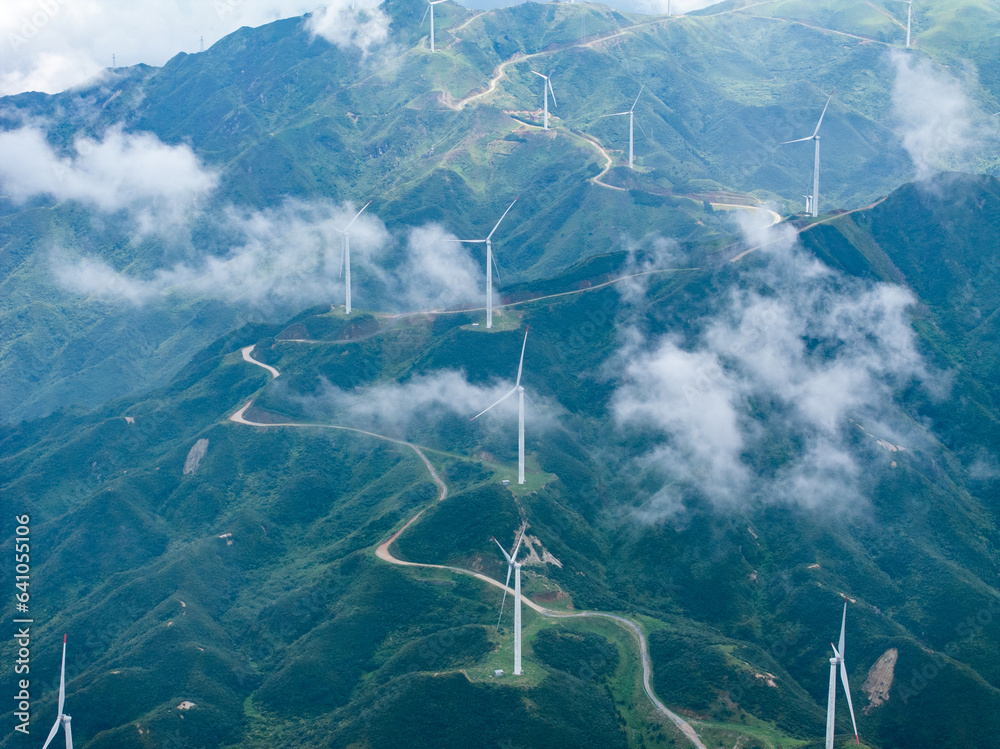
<point>280,114</point>
<point>293,632</point>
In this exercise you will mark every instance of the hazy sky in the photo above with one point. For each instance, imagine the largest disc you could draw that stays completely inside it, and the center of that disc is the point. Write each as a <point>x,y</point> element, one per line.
<point>51,45</point>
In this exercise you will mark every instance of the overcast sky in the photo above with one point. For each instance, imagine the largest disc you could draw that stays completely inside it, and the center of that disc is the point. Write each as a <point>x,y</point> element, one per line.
<point>51,45</point>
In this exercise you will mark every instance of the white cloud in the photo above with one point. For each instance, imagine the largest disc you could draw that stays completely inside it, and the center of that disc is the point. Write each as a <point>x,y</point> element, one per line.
<point>400,408</point>
<point>439,272</point>
<point>656,7</point>
<point>793,351</point>
<point>359,24</point>
<point>293,255</point>
<point>940,125</point>
<point>290,254</point>
<point>51,45</point>
<point>124,171</point>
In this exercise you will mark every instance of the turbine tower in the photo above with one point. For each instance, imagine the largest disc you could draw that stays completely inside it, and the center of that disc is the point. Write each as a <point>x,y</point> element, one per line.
<point>346,256</point>
<point>909,18</point>
<point>546,88</point>
<point>61,718</point>
<point>631,124</point>
<point>814,137</point>
<point>430,9</point>
<point>520,412</point>
<point>835,662</point>
<point>489,263</point>
<point>513,563</point>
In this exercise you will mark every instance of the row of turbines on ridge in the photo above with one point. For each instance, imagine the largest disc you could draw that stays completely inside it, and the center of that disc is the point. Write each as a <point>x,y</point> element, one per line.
<point>837,662</point>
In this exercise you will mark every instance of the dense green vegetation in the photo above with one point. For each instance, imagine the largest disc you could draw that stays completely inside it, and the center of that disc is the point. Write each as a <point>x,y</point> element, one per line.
<point>281,115</point>
<point>246,582</point>
<point>249,586</point>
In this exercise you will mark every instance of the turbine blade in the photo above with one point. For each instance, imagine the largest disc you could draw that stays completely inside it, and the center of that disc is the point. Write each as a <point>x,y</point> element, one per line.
<point>518,546</point>
<point>426,11</point>
<point>467,241</point>
<point>843,627</point>
<point>816,131</point>
<point>533,404</point>
<point>520,366</point>
<point>616,114</point>
<point>506,585</point>
<point>505,555</point>
<point>493,406</point>
<point>490,235</point>
<point>637,97</point>
<point>797,140</point>
<point>549,81</point>
<point>537,73</point>
<point>359,213</point>
<point>496,267</point>
<point>62,679</point>
<point>850,706</point>
<point>640,127</point>
<point>52,733</point>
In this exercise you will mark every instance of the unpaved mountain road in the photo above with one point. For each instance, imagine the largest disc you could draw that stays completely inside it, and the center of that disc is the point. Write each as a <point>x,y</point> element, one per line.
<point>384,552</point>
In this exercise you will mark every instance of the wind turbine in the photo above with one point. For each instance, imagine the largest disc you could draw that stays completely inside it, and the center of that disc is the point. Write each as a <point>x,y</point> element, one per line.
<point>512,563</point>
<point>489,263</point>
<point>909,18</point>
<point>838,660</point>
<point>346,255</point>
<point>430,9</point>
<point>814,137</point>
<point>520,412</point>
<point>631,123</point>
<point>546,88</point>
<point>61,718</point>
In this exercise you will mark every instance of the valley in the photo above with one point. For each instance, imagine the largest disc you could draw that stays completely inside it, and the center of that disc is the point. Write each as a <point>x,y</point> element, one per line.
<point>264,511</point>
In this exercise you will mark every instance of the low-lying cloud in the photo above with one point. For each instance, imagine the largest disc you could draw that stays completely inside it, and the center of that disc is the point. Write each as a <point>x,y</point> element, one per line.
<point>135,172</point>
<point>351,24</point>
<point>439,272</point>
<point>293,255</point>
<point>941,127</point>
<point>757,405</point>
<point>399,409</point>
<point>290,254</point>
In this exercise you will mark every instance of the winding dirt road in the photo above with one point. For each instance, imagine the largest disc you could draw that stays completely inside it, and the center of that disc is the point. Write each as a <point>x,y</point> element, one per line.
<point>384,552</point>
<point>807,227</point>
<point>246,351</point>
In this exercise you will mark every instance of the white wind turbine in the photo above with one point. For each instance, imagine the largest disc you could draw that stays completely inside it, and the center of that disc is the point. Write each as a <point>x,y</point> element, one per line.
<point>512,563</point>
<point>546,88</point>
<point>814,137</point>
<point>631,123</point>
<point>430,9</point>
<point>835,662</point>
<point>909,18</point>
<point>489,263</point>
<point>61,718</point>
<point>346,255</point>
<point>520,412</point>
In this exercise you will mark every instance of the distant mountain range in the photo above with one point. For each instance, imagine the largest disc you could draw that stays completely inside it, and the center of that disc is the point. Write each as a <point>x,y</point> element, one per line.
<point>737,423</point>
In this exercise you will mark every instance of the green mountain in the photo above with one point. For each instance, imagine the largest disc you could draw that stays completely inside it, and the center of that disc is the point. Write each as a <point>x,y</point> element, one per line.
<point>278,114</point>
<point>245,582</point>
<point>731,430</point>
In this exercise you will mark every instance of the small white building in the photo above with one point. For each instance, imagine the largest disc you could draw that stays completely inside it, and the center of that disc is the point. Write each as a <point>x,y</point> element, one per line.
<point>498,672</point>
<point>505,482</point>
